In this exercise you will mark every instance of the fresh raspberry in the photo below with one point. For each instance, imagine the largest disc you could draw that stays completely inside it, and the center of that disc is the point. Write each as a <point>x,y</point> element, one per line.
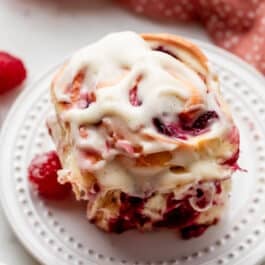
<point>12,72</point>
<point>42,173</point>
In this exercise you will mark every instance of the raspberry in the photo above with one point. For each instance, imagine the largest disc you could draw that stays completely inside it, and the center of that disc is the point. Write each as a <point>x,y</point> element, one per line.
<point>171,130</point>
<point>186,125</point>
<point>161,127</point>
<point>202,121</point>
<point>12,72</point>
<point>42,173</point>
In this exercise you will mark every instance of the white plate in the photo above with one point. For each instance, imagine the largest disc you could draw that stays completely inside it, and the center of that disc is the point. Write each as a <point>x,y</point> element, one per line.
<point>57,233</point>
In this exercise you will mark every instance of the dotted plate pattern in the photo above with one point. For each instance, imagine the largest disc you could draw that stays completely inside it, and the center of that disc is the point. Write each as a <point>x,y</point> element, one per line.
<point>58,232</point>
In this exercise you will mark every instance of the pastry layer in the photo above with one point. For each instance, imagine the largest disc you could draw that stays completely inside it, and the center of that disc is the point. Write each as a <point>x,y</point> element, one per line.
<point>140,118</point>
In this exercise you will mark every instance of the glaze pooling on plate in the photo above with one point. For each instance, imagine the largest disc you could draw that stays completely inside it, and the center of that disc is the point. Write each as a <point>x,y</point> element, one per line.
<point>144,135</point>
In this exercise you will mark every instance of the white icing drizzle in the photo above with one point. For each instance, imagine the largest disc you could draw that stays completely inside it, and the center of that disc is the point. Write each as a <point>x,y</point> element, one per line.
<point>112,67</point>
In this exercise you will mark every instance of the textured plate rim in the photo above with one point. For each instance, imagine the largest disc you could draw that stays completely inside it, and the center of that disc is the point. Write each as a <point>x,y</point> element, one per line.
<point>258,253</point>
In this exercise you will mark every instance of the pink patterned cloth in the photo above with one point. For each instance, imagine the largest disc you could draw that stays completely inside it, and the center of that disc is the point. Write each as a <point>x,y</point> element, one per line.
<point>236,25</point>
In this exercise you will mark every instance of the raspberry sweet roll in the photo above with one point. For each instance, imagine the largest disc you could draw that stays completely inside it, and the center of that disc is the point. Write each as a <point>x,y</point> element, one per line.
<point>143,134</point>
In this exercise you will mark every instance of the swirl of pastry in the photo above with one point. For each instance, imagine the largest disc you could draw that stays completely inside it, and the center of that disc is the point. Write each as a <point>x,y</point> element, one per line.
<point>143,133</point>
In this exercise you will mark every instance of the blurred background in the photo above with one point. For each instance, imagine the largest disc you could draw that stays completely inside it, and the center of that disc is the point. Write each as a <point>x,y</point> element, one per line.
<point>43,32</point>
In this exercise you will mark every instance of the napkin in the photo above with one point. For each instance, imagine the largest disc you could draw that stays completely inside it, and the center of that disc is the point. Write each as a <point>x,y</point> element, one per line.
<point>236,25</point>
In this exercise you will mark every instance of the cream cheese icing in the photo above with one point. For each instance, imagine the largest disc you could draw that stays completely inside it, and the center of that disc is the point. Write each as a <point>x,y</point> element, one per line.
<point>166,86</point>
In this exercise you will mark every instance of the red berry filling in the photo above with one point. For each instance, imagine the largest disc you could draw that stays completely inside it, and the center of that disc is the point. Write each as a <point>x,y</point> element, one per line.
<point>177,217</point>
<point>185,125</point>
<point>79,97</point>
<point>42,173</point>
<point>195,230</point>
<point>179,213</point>
<point>161,127</point>
<point>12,72</point>
<point>218,186</point>
<point>133,97</point>
<point>164,50</point>
<point>202,122</point>
<point>130,215</point>
<point>232,161</point>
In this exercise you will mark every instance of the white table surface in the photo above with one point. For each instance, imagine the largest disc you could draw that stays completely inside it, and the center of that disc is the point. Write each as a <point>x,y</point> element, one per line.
<point>42,33</point>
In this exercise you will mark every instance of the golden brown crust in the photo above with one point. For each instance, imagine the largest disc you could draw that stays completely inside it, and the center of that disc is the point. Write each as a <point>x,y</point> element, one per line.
<point>179,42</point>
